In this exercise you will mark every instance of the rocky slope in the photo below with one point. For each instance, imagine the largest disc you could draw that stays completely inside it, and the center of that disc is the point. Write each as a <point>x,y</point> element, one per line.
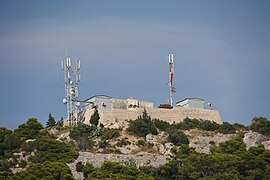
<point>157,149</point>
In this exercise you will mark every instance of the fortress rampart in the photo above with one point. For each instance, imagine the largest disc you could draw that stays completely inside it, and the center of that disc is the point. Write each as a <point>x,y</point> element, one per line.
<point>118,118</point>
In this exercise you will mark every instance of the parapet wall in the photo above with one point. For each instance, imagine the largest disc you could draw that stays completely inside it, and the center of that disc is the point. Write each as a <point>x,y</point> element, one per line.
<point>118,118</point>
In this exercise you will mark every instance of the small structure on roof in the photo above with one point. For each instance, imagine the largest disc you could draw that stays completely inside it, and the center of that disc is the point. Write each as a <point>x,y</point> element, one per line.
<point>191,103</point>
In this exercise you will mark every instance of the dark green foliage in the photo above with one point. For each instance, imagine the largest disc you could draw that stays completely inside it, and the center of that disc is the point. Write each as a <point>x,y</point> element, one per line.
<point>46,170</point>
<point>212,142</point>
<point>29,130</point>
<point>161,125</point>
<point>5,165</point>
<point>123,142</point>
<point>232,161</point>
<point>209,126</point>
<point>88,169</point>
<point>9,143</point>
<point>103,144</point>
<point>230,147</point>
<point>114,170</point>
<point>79,167</point>
<point>226,128</point>
<point>48,149</point>
<point>142,126</point>
<point>4,132</point>
<point>178,138</point>
<point>60,122</point>
<point>5,175</point>
<point>51,121</point>
<point>78,131</point>
<point>141,142</point>
<point>110,134</point>
<point>83,135</point>
<point>95,118</point>
<point>260,125</point>
<point>188,124</point>
<point>239,127</point>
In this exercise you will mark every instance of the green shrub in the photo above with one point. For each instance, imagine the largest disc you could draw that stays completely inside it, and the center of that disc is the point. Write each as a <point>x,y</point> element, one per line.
<point>240,127</point>
<point>142,126</point>
<point>29,130</point>
<point>102,144</point>
<point>110,134</point>
<point>188,124</point>
<point>209,125</point>
<point>123,142</point>
<point>95,118</point>
<point>230,147</point>
<point>79,167</point>
<point>260,125</point>
<point>226,128</point>
<point>81,129</point>
<point>48,149</point>
<point>23,164</point>
<point>46,170</point>
<point>88,169</point>
<point>161,125</point>
<point>178,138</point>
<point>141,142</point>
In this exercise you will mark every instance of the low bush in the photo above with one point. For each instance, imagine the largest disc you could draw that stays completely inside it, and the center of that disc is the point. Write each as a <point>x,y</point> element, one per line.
<point>142,126</point>
<point>110,134</point>
<point>79,167</point>
<point>123,142</point>
<point>161,125</point>
<point>178,138</point>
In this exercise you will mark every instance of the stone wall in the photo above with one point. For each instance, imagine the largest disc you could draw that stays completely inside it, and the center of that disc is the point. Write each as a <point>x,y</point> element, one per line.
<point>118,118</point>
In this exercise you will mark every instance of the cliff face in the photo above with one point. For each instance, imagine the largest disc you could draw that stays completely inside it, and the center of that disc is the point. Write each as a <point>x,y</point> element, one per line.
<point>118,118</point>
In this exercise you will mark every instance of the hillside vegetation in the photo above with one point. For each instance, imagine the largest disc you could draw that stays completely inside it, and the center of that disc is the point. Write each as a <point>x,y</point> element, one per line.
<point>34,152</point>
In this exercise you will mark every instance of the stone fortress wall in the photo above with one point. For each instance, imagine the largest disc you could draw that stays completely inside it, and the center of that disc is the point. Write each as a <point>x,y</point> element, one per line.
<point>118,118</point>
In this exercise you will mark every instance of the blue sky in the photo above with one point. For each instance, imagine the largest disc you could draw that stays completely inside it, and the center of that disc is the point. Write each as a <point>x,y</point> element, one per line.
<point>221,49</point>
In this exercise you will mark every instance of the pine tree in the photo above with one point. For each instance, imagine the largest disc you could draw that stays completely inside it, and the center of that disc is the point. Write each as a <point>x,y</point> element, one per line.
<point>95,118</point>
<point>51,121</point>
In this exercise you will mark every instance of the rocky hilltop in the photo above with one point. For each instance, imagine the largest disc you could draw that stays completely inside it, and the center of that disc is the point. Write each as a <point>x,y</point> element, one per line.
<point>146,149</point>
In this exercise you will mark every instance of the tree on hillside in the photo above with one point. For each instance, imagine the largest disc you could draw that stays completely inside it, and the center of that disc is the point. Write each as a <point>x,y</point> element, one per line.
<point>178,138</point>
<point>51,121</point>
<point>260,125</point>
<point>95,118</point>
<point>46,170</point>
<point>29,130</point>
<point>142,126</point>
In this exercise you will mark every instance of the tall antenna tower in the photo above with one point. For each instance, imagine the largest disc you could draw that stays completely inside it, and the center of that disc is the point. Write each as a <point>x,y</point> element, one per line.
<point>171,72</point>
<point>72,79</point>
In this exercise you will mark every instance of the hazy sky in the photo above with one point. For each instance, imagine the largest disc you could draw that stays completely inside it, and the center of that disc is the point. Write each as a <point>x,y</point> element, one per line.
<point>221,49</point>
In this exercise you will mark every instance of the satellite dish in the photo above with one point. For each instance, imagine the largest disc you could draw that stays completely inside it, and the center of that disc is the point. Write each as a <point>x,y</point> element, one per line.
<point>64,101</point>
<point>78,104</point>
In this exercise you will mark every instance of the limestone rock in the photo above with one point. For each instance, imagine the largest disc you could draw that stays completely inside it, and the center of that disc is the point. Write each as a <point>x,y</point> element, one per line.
<point>254,139</point>
<point>203,140</point>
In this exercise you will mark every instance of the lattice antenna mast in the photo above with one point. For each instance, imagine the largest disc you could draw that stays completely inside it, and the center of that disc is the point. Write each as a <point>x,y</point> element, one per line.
<point>71,90</point>
<point>171,72</point>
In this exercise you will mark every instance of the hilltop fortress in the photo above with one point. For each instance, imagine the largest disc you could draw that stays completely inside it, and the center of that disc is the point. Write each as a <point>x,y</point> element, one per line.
<point>115,112</point>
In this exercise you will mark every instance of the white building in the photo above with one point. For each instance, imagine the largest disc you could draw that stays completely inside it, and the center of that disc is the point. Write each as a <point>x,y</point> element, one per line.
<point>191,103</point>
<point>103,102</point>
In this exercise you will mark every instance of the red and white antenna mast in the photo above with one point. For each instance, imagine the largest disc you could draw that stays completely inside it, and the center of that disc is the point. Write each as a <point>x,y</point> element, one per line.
<point>171,72</point>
